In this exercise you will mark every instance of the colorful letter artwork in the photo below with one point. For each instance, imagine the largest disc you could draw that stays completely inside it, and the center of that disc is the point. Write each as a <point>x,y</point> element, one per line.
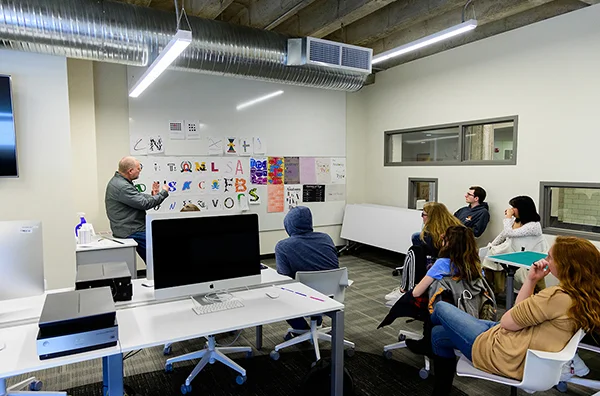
<point>231,148</point>
<point>258,170</point>
<point>275,170</point>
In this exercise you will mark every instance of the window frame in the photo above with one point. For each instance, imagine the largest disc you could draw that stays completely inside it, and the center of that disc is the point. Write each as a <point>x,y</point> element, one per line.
<point>411,188</point>
<point>546,205</point>
<point>387,146</point>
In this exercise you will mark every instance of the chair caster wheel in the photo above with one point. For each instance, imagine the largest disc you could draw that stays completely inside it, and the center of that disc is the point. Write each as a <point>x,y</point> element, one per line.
<point>401,337</point>
<point>387,354</point>
<point>186,389</point>
<point>395,273</point>
<point>288,336</point>
<point>424,374</point>
<point>274,355</point>
<point>249,354</point>
<point>562,386</point>
<point>350,352</point>
<point>168,368</point>
<point>240,379</point>
<point>167,350</point>
<point>313,364</point>
<point>36,386</point>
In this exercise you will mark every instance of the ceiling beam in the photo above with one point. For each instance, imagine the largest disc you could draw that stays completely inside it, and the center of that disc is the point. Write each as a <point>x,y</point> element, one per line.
<point>326,16</point>
<point>392,18</point>
<point>209,9</point>
<point>590,2</point>
<point>268,14</point>
<point>492,28</point>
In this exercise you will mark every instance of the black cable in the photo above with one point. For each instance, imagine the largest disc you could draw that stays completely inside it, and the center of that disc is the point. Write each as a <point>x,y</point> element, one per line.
<point>131,354</point>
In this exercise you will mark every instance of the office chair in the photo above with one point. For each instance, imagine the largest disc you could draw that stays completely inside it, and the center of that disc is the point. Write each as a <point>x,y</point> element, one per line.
<point>210,354</point>
<point>332,283</point>
<point>402,337</point>
<point>588,383</point>
<point>32,385</point>
<point>536,362</point>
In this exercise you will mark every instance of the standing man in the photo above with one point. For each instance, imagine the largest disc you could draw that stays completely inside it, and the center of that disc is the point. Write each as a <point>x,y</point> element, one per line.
<point>476,215</point>
<point>126,207</point>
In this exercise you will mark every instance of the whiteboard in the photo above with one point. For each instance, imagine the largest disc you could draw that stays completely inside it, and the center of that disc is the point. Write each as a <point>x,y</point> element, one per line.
<point>303,122</point>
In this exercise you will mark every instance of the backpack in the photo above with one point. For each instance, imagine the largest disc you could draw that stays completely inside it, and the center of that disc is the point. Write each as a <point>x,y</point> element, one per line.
<point>318,380</point>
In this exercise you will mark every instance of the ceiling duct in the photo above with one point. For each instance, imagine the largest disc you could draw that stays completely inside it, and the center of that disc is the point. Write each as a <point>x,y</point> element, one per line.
<point>121,33</point>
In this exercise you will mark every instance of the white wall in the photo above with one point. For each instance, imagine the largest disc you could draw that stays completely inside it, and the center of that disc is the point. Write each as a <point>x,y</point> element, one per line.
<point>546,73</point>
<point>44,189</point>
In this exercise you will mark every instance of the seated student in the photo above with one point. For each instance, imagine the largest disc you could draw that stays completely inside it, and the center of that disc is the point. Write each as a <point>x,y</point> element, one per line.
<point>304,250</point>
<point>457,269</point>
<point>190,207</point>
<point>522,229</point>
<point>476,214</point>
<point>436,219</point>
<point>545,321</point>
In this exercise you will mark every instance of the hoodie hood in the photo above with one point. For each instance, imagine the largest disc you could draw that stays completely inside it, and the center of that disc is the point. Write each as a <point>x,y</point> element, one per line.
<point>481,206</point>
<point>298,221</point>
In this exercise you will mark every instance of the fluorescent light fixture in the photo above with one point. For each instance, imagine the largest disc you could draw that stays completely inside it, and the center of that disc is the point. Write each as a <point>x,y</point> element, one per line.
<point>425,41</point>
<point>176,46</point>
<point>258,100</point>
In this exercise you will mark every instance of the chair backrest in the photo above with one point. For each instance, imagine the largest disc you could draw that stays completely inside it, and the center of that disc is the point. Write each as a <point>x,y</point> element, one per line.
<point>332,283</point>
<point>543,369</point>
<point>530,243</point>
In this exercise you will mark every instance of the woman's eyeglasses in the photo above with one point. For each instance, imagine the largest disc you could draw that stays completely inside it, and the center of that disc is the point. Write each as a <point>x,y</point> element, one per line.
<point>423,214</point>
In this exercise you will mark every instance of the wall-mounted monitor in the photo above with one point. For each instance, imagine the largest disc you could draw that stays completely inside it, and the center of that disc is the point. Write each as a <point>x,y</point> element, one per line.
<point>8,138</point>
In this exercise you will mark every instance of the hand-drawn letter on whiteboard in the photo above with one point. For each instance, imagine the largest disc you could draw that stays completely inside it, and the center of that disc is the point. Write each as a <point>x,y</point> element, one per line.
<point>260,147</point>
<point>338,170</point>
<point>215,146</point>
<point>254,195</point>
<point>156,145</point>
<point>275,194</point>
<point>138,145</point>
<point>323,166</point>
<point>275,170</point>
<point>258,170</point>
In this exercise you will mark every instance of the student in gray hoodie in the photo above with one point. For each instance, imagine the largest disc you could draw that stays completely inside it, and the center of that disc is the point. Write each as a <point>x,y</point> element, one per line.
<point>304,250</point>
<point>475,215</point>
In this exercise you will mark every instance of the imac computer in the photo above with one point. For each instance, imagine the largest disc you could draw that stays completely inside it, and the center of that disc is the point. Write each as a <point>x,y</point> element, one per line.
<point>194,253</point>
<point>21,259</point>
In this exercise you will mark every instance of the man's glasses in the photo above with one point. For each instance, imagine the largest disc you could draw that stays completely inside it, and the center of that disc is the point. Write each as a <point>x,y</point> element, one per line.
<point>470,195</point>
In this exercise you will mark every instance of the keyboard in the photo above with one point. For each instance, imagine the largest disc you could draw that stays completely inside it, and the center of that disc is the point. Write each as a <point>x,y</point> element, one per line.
<point>202,307</point>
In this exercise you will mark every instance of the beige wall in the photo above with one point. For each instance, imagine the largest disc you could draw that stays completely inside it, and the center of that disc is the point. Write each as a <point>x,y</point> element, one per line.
<point>44,189</point>
<point>546,73</point>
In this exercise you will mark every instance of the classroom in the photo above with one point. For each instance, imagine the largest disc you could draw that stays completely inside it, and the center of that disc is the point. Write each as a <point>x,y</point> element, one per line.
<point>425,103</point>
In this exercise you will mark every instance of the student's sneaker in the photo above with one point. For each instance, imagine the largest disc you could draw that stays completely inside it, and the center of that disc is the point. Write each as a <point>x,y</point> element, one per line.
<point>394,294</point>
<point>575,367</point>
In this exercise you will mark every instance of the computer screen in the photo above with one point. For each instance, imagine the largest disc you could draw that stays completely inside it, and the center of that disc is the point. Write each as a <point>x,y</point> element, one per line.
<point>8,140</point>
<point>21,259</point>
<point>196,254</point>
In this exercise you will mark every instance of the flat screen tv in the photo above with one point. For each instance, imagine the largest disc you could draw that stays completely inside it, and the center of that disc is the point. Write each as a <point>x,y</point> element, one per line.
<point>8,139</point>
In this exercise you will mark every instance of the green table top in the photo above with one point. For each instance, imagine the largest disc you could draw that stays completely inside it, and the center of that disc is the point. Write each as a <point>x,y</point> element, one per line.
<point>518,259</point>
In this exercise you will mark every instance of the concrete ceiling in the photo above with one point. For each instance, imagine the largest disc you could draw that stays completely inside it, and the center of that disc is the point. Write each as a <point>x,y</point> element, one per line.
<point>378,24</point>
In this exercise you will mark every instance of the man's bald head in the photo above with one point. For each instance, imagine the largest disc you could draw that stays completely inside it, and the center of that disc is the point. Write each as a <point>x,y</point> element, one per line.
<point>130,168</point>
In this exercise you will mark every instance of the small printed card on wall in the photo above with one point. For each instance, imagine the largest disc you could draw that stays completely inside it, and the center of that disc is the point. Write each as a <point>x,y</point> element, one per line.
<point>335,192</point>
<point>313,193</point>
<point>293,195</point>
<point>245,146</point>
<point>308,172</point>
<point>338,170</point>
<point>192,130</point>
<point>231,146</point>
<point>254,196</point>
<point>260,146</point>
<point>156,145</point>
<point>323,166</point>
<point>292,170</point>
<point>215,145</point>
<point>138,145</point>
<point>275,166</point>
<point>176,130</point>
<point>276,198</point>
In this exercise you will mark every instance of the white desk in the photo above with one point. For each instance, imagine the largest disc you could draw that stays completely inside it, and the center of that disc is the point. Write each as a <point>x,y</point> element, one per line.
<point>107,251</point>
<point>156,324</point>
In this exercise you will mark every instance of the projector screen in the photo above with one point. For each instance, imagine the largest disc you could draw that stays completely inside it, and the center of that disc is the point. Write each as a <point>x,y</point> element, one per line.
<point>8,139</point>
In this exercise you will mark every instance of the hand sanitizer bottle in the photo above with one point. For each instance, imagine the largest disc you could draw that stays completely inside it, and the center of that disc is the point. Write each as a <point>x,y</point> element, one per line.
<point>81,222</point>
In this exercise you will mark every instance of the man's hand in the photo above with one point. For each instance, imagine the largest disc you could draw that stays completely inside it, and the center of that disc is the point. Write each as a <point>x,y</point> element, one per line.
<point>165,187</point>
<point>155,188</point>
<point>538,270</point>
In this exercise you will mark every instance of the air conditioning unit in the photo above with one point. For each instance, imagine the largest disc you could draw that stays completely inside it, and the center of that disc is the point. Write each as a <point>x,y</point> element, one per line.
<point>314,51</point>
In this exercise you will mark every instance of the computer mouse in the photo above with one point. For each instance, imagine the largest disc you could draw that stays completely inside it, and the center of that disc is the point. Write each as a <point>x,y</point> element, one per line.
<point>272,294</point>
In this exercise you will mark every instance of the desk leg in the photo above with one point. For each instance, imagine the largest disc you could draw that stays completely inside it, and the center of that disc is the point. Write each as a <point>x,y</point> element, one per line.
<point>259,337</point>
<point>3,390</point>
<point>510,289</point>
<point>337,353</point>
<point>112,375</point>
